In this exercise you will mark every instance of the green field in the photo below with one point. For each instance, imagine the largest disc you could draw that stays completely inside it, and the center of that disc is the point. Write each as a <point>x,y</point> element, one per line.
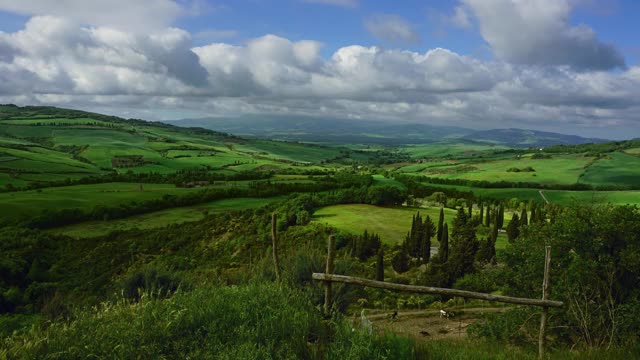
<point>161,218</point>
<point>392,224</point>
<point>85,197</point>
<point>565,169</point>
<point>614,169</point>
<point>449,149</point>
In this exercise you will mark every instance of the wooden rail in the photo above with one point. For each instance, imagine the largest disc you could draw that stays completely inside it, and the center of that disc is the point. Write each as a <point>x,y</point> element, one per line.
<point>328,277</point>
<point>435,290</point>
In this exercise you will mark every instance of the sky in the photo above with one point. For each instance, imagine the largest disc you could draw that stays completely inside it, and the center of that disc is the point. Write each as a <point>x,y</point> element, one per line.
<point>570,66</point>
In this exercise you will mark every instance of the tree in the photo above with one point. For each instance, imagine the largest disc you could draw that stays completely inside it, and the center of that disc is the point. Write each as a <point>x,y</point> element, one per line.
<point>440,197</point>
<point>595,270</point>
<point>440,225</point>
<point>400,261</point>
<point>512,228</point>
<point>428,231</point>
<point>443,250</point>
<point>464,246</point>
<point>500,217</point>
<point>380,265</point>
<point>523,216</point>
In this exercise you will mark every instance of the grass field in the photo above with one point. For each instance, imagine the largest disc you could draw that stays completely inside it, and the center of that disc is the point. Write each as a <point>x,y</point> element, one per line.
<point>615,169</point>
<point>562,197</point>
<point>392,224</point>
<point>448,149</point>
<point>161,218</point>
<point>565,169</point>
<point>86,197</point>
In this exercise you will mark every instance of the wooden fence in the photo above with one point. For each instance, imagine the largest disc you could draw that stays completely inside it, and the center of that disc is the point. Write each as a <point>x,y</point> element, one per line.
<point>328,277</point>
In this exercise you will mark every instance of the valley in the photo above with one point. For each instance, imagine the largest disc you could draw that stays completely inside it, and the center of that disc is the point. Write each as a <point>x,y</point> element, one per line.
<point>119,219</point>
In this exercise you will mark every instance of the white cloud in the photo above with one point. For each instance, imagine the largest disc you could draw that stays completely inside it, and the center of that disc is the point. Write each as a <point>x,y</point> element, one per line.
<point>139,15</point>
<point>56,61</point>
<point>460,17</point>
<point>392,28</point>
<point>538,32</point>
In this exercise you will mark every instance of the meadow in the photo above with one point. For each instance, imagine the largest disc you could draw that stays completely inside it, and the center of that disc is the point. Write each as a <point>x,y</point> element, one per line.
<point>161,218</point>
<point>14,205</point>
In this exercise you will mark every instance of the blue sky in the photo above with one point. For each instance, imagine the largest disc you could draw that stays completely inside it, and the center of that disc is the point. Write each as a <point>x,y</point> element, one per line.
<point>615,21</point>
<point>560,65</point>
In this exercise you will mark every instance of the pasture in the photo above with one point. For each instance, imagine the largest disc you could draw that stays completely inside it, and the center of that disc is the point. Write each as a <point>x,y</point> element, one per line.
<point>561,169</point>
<point>392,224</point>
<point>24,203</point>
<point>614,169</point>
<point>161,218</point>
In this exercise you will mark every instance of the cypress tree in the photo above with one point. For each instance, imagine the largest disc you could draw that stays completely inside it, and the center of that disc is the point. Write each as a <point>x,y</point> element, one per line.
<point>429,230</point>
<point>443,251</point>
<point>470,203</point>
<point>380,265</point>
<point>487,222</point>
<point>464,247</point>
<point>440,224</point>
<point>512,228</point>
<point>523,216</point>
<point>400,261</point>
<point>481,212</point>
<point>500,217</point>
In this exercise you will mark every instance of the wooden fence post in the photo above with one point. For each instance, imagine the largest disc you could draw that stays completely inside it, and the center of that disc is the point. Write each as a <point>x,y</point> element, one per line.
<point>274,240</point>
<point>329,270</point>
<point>545,296</point>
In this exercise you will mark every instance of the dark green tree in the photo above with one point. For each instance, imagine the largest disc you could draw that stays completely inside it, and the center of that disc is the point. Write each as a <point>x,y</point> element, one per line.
<point>500,217</point>
<point>428,231</point>
<point>512,228</point>
<point>523,216</point>
<point>443,250</point>
<point>400,261</point>
<point>440,225</point>
<point>464,246</point>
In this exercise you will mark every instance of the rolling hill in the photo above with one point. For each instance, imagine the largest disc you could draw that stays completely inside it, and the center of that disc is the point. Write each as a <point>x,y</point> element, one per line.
<point>347,131</point>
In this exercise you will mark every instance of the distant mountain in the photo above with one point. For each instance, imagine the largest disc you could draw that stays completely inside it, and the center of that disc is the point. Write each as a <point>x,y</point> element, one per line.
<point>344,131</point>
<point>528,138</point>
<point>315,129</point>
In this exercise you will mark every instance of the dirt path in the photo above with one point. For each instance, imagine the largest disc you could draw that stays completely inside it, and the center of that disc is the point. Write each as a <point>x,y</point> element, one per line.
<point>426,325</point>
<point>543,197</point>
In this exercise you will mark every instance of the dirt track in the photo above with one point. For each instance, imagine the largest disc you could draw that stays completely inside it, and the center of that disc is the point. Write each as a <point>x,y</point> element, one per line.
<point>427,324</point>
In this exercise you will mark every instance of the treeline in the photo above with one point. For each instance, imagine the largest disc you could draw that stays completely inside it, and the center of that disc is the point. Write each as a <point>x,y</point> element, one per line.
<point>514,184</point>
<point>180,178</point>
<point>594,149</point>
<point>346,188</point>
<point>416,188</point>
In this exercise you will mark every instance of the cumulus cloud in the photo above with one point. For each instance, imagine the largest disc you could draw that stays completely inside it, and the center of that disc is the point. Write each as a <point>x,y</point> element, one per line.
<point>460,17</point>
<point>392,28</point>
<point>123,14</point>
<point>538,33</point>
<point>57,61</point>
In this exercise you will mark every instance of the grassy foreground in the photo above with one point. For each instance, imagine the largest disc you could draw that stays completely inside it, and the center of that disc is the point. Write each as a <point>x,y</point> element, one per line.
<point>256,321</point>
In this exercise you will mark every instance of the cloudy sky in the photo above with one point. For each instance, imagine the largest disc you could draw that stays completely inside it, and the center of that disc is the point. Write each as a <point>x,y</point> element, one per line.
<point>570,66</point>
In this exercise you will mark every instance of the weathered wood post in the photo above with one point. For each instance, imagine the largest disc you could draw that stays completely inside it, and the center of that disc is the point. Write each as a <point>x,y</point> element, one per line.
<point>545,296</point>
<point>329,271</point>
<point>274,240</point>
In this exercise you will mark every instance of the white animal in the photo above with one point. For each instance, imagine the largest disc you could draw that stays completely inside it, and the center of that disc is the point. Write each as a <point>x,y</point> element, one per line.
<point>446,314</point>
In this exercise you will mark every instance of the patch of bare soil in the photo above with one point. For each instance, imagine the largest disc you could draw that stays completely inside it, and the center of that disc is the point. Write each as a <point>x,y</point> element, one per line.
<point>428,325</point>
